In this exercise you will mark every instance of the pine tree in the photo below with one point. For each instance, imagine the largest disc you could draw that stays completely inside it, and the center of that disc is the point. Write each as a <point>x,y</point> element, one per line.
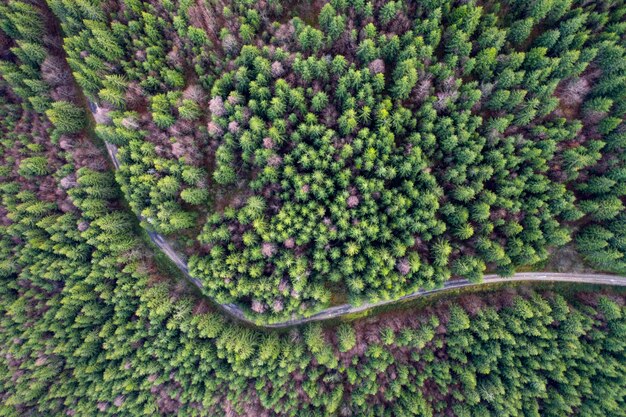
<point>346,337</point>
<point>66,117</point>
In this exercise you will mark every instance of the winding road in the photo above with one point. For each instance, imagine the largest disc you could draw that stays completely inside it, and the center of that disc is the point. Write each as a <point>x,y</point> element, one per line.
<point>345,309</point>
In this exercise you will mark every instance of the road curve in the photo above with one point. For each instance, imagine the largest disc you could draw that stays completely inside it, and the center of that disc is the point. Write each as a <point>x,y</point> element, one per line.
<point>344,309</point>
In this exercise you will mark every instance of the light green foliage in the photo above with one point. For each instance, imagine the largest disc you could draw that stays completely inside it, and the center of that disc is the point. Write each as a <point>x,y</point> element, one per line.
<point>66,117</point>
<point>459,320</point>
<point>346,337</point>
<point>194,196</point>
<point>35,166</point>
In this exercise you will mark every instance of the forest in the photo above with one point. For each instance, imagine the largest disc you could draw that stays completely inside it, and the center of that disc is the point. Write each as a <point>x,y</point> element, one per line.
<point>353,150</point>
<point>296,152</point>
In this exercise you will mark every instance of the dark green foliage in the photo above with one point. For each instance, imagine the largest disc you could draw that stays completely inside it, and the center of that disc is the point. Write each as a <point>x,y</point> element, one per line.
<point>604,246</point>
<point>24,25</point>
<point>602,240</point>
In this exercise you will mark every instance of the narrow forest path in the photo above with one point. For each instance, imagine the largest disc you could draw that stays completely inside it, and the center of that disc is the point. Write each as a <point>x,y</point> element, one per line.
<point>345,309</point>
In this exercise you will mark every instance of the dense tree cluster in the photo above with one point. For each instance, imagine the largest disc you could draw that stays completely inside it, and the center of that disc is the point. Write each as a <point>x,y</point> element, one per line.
<point>371,148</point>
<point>149,81</point>
<point>602,241</point>
<point>91,326</point>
